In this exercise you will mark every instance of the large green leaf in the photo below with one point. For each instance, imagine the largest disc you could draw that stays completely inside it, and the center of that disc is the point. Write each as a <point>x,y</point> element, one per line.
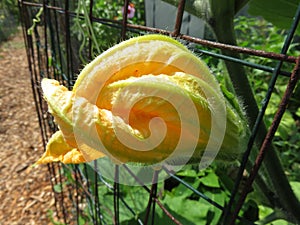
<point>191,210</point>
<point>278,12</point>
<point>296,187</point>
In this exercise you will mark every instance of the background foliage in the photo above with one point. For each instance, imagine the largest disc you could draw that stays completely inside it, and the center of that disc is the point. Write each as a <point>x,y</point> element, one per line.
<point>102,35</point>
<point>9,18</point>
<point>266,36</point>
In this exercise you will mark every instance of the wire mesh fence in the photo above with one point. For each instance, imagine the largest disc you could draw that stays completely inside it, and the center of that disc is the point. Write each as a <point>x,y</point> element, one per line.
<point>62,36</point>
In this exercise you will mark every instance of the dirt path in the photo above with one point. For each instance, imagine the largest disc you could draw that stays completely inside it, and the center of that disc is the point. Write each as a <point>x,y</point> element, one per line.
<point>25,192</point>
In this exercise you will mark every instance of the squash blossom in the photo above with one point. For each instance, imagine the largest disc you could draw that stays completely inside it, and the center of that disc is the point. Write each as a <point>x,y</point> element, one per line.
<point>146,100</point>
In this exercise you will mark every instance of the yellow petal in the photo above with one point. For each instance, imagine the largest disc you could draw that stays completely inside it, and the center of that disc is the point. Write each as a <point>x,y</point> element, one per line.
<point>57,149</point>
<point>62,145</point>
<point>60,102</point>
<point>150,54</point>
<point>161,96</point>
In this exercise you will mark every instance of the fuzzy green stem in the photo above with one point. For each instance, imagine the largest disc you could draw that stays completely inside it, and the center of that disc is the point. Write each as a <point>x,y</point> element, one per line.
<point>224,31</point>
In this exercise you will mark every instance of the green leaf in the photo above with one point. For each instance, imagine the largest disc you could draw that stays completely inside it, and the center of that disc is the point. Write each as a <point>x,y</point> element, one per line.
<point>189,209</point>
<point>136,198</point>
<point>210,180</point>
<point>182,191</point>
<point>298,112</point>
<point>296,188</point>
<point>278,12</point>
<point>58,188</point>
<point>188,173</point>
<point>287,124</point>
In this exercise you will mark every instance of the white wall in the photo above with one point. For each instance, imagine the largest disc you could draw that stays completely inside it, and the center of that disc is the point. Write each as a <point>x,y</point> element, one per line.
<point>163,16</point>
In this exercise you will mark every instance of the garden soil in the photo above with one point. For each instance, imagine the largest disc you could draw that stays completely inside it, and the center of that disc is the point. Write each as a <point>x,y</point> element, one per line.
<point>25,192</point>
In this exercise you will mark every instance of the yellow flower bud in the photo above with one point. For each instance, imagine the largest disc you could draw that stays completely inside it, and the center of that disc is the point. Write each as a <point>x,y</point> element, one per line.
<point>146,100</point>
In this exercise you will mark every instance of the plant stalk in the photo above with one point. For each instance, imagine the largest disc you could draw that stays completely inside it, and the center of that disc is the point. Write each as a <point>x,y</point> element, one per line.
<point>224,31</point>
